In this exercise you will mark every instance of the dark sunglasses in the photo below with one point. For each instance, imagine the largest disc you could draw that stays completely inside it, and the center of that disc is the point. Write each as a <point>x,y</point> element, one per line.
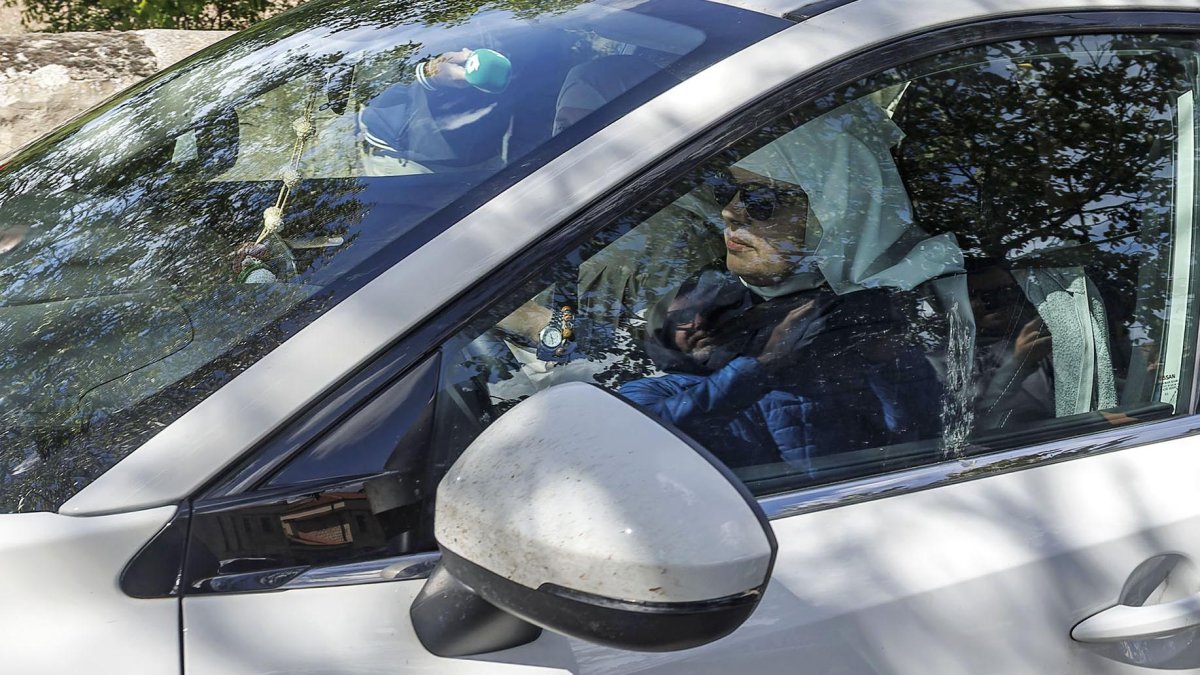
<point>759,199</point>
<point>1003,297</point>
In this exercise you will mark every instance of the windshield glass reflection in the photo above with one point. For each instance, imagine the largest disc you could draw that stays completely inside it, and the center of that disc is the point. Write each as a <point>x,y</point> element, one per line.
<point>159,245</point>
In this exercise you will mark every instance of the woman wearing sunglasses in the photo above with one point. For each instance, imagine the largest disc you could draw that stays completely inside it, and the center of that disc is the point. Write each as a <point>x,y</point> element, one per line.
<point>808,344</point>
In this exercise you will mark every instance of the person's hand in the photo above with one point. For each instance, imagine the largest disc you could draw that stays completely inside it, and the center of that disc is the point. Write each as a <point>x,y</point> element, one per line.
<point>248,255</point>
<point>1033,343</point>
<point>781,344</point>
<point>526,322</point>
<point>448,69</point>
<point>1150,349</point>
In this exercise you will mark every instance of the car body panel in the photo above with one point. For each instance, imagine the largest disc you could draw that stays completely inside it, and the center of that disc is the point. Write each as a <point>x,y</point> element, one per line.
<point>908,585</point>
<point>358,629</point>
<point>64,610</point>
<point>977,576</point>
<point>979,593</point>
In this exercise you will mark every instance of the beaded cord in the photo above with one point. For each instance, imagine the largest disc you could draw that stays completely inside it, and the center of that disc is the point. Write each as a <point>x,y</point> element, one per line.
<point>303,128</point>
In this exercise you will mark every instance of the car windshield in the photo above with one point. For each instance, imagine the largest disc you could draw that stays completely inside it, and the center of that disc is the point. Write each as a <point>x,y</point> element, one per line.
<point>160,244</point>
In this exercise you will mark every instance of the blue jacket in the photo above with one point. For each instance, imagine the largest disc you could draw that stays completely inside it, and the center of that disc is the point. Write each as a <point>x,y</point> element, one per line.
<point>731,414</point>
<point>843,394</point>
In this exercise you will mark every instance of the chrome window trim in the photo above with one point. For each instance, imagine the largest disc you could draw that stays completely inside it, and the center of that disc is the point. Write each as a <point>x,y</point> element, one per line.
<point>810,500</point>
<point>398,568</point>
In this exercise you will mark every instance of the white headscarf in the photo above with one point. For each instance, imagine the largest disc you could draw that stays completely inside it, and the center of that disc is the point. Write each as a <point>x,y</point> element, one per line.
<point>867,238</point>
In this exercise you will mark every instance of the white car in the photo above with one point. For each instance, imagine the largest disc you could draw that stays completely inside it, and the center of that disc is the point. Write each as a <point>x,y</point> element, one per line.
<point>762,336</point>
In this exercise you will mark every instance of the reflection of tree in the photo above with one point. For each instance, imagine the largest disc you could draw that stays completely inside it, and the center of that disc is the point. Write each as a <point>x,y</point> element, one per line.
<point>613,281</point>
<point>1051,153</point>
<point>85,15</point>
<point>348,14</point>
<point>120,294</point>
<point>1010,151</point>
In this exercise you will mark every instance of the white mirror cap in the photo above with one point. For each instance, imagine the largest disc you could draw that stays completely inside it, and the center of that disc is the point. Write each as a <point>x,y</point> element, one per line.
<point>576,487</point>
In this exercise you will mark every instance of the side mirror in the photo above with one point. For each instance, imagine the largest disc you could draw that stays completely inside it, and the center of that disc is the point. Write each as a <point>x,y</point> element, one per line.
<point>578,513</point>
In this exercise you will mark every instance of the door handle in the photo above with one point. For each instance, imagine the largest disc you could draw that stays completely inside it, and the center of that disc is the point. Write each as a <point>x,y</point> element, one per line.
<point>1124,622</point>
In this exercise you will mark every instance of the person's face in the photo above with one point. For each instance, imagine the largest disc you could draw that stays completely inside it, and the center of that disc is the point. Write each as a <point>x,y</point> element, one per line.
<point>765,222</point>
<point>994,295</point>
<point>691,329</point>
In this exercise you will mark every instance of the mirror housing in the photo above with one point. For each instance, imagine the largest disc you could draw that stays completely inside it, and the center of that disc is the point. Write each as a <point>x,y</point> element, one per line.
<point>577,512</point>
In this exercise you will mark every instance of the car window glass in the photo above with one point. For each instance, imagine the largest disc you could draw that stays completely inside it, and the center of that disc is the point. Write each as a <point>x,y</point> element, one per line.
<point>163,243</point>
<point>977,251</point>
<point>974,252</point>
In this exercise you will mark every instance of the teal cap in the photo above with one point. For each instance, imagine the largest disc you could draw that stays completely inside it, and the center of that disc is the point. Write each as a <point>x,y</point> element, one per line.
<point>488,70</point>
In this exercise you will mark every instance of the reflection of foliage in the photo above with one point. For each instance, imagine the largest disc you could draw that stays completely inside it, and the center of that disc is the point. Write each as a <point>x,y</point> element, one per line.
<point>1059,159</point>
<point>1044,153</point>
<point>59,16</point>
<point>455,12</point>
<point>352,13</point>
<point>613,285</point>
<point>136,208</point>
<point>84,15</point>
<point>1051,148</point>
<point>152,262</point>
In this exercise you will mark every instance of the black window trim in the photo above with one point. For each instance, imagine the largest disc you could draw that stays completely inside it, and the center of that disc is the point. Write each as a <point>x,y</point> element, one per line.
<point>427,339</point>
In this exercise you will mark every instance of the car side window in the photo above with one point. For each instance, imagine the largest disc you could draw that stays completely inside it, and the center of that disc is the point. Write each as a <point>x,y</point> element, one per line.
<point>977,251</point>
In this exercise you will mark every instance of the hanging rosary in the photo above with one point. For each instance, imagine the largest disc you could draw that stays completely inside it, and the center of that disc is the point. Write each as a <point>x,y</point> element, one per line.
<point>251,259</point>
<point>303,128</point>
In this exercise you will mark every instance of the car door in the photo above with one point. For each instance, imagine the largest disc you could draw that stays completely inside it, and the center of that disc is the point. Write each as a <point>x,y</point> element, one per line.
<point>983,549</point>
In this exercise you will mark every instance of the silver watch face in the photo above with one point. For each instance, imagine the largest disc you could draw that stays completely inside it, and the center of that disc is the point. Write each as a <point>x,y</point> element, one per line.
<point>551,337</point>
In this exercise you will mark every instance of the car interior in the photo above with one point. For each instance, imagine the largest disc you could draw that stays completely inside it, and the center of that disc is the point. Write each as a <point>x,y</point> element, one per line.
<point>1084,278</point>
<point>1108,339</point>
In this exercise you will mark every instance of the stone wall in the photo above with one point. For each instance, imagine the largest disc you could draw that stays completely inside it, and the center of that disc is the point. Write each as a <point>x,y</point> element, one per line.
<point>48,78</point>
<point>10,19</point>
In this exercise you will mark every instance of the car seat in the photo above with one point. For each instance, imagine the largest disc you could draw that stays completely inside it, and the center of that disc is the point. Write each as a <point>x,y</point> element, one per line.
<point>590,85</point>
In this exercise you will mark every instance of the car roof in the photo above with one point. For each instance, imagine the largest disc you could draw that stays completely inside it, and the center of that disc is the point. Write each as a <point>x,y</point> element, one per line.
<point>796,10</point>
<point>801,10</point>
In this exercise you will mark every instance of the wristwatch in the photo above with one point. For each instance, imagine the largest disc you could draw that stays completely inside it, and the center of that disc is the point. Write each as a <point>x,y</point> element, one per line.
<point>554,341</point>
<point>551,337</point>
